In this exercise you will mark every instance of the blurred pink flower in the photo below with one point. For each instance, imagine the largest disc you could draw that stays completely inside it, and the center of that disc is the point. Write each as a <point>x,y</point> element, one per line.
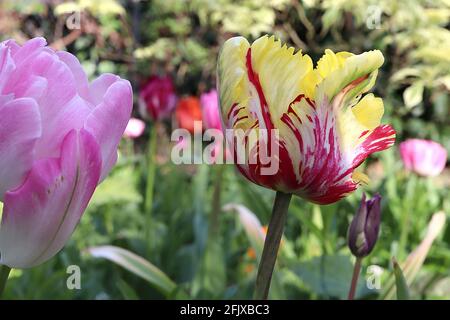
<point>424,157</point>
<point>58,139</point>
<point>210,110</point>
<point>157,98</point>
<point>212,120</point>
<point>134,129</point>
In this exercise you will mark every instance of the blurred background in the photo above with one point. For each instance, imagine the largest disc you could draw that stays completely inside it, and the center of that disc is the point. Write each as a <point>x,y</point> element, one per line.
<point>206,221</point>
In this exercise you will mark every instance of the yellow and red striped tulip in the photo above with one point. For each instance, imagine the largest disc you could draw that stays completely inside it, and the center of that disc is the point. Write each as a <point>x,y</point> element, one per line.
<point>325,130</point>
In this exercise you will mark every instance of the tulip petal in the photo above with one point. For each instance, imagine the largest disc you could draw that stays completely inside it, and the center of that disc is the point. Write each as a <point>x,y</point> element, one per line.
<point>7,64</point>
<point>20,127</point>
<point>357,75</point>
<point>234,86</point>
<point>369,111</point>
<point>331,61</point>
<point>280,72</point>
<point>23,53</point>
<point>80,76</point>
<point>108,120</point>
<point>381,138</point>
<point>99,86</point>
<point>72,116</point>
<point>50,81</point>
<point>39,217</point>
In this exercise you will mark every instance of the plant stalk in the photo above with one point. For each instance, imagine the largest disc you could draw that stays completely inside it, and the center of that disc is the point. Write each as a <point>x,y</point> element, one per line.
<point>271,245</point>
<point>151,168</point>
<point>408,206</point>
<point>356,272</point>
<point>216,200</point>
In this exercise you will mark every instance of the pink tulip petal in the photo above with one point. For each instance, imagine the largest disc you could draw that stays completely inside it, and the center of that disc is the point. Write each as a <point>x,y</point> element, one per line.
<point>99,86</point>
<point>39,217</point>
<point>72,116</point>
<point>7,65</point>
<point>22,53</point>
<point>20,127</point>
<point>50,80</point>
<point>108,120</point>
<point>81,79</point>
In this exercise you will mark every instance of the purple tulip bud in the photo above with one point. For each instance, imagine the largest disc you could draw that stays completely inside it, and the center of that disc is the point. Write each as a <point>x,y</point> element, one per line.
<point>363,231</point>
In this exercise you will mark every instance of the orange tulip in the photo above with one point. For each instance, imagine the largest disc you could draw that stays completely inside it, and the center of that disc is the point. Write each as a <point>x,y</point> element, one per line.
<point>188,111</point>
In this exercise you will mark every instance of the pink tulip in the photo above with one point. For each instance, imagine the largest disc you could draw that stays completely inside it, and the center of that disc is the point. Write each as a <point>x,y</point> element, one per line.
<point>210,110</point>
<point>157,98</point>
<point>424,157</point>
<point>134,129</point>
<point>58,139</point>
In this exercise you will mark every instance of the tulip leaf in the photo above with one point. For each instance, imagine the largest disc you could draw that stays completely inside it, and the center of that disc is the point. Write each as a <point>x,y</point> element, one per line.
<point>400,283</point>
<point>329,276</point>
<point>252,226</point>
<point>126,290</point>
<point>415,260</point>
<point>137,265</point>
<point>256,236</point>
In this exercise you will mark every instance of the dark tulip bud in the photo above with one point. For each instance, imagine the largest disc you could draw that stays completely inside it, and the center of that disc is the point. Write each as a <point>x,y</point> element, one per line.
<point>363,231</point>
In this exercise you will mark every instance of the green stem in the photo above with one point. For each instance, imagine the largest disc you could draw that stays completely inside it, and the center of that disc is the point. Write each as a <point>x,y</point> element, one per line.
<point>151,167</point>
<point>406,216</point>
<point>129,148</point>
<point>216,200</point>
<point>4,274</point>
<point>271,245</point>
<point>356,272</point>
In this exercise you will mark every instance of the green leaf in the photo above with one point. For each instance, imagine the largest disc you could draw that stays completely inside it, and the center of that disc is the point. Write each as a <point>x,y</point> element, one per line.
<point>413,95</point>
<point>416,258</point>
<point>256,236</point>
<point>112,191</point>
<point>127,292</point>
<point>137,265</point>
<point>211,278</point>
<point>329,276</point>
<point>400,283</point>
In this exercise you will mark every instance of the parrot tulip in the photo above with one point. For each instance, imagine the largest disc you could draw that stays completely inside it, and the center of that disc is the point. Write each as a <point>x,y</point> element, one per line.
<point>322,128</point>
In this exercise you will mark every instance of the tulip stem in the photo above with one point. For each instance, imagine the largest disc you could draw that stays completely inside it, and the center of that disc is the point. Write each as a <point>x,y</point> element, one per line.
<point>356,272</point>
<point>408,205</point>
<point>4,274</point>
<point>215,206</point>
<point>151,168</point>
<point>271,245</point>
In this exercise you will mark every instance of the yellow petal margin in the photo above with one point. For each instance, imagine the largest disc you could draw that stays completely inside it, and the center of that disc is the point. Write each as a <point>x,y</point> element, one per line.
<point>232,72</point>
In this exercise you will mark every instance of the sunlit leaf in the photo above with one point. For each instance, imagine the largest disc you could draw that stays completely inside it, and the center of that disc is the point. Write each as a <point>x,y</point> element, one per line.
<point>413,95</point>
<point>137,265</point>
